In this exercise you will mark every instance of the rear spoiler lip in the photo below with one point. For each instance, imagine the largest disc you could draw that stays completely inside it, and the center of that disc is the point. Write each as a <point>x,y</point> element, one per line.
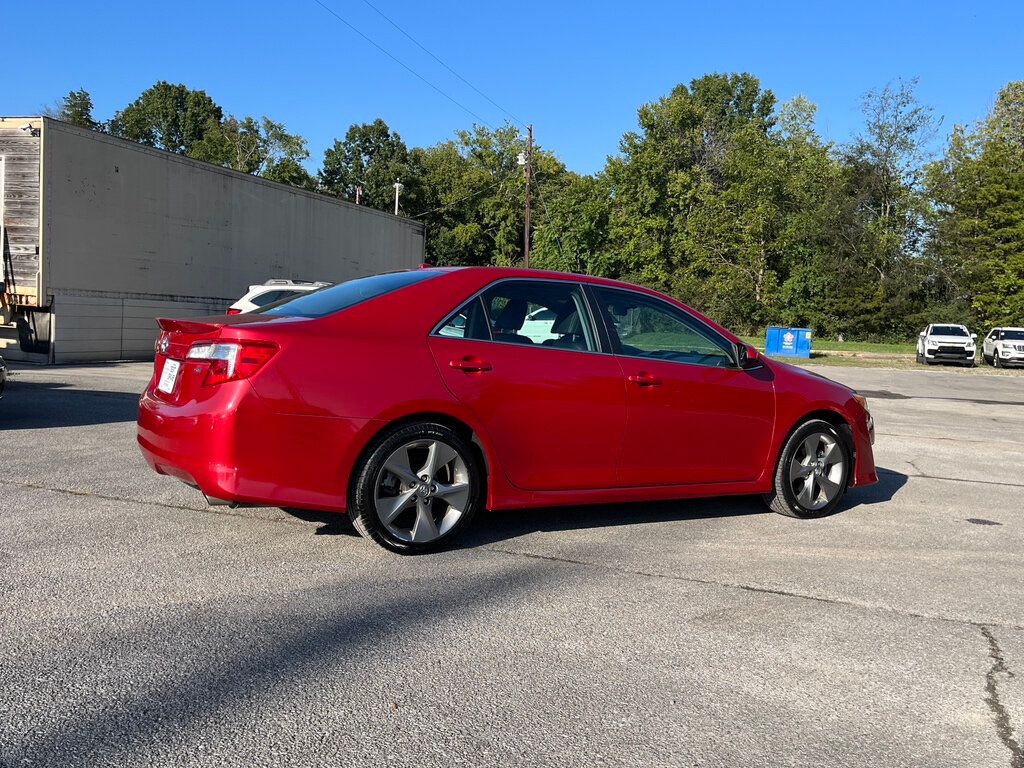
<point>191,327</point>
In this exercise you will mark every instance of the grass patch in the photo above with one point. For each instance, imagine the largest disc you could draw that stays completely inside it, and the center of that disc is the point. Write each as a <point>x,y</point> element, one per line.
<point>829,345</point>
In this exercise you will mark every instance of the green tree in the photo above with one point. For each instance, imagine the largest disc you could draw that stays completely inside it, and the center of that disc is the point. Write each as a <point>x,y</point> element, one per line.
<point>259,147</point>
<point>373,157</point>
<point>572,232</point>
<point>171,117</point>
<point>884,269</point>
<point>473,195</point>
<point>978,220</point>
<point>75,108</point>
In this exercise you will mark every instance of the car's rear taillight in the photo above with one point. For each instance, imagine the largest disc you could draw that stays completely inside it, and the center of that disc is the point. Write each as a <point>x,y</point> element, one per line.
<point>230,361</point>
<point>233,311</point>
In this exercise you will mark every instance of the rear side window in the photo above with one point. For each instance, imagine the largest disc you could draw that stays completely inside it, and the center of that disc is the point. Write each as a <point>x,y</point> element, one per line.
<point>335,298</point>
<point>532,313</point>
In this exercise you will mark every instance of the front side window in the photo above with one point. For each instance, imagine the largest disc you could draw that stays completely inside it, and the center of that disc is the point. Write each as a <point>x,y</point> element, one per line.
<point>648,327</point>
<point>527,312</point>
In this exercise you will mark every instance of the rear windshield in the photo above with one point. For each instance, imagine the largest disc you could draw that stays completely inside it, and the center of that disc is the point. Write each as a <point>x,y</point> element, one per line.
<point>335,298</point>
<point>948,330</point>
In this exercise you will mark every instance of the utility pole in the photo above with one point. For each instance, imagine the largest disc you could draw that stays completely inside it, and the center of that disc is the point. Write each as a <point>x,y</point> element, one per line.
<point>398,188</point>
<point>528,168</point>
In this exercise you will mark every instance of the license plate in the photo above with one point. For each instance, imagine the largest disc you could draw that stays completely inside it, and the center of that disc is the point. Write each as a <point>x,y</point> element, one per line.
<point>168,376</point>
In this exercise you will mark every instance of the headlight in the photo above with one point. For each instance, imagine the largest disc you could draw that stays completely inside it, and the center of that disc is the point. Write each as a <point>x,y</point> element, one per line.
<point>931,343</point>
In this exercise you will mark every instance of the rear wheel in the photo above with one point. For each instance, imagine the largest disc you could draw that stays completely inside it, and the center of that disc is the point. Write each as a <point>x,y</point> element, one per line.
<point>812,473</point>
<point>416,488</point>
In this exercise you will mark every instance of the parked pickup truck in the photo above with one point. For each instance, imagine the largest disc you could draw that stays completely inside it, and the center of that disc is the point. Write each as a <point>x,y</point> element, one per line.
<point>1004,347</point>
<point>946,344</point>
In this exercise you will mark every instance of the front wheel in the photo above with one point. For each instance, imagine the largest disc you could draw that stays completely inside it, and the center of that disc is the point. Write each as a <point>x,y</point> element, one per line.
<point>812,473</point>
<point>416,488</point>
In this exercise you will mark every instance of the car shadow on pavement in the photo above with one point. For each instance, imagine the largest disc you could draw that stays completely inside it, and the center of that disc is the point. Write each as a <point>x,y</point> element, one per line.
<point>889,484</point>
<point>39,405</point>
<point>492,527</point>
<point>331,523</point>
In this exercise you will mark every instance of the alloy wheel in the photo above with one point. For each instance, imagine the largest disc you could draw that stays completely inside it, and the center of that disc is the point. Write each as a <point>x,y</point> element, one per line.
<point>817,470</point>
<point>422,491</point>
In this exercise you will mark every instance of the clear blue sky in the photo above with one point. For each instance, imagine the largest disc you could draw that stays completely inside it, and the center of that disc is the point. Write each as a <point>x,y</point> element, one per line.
<point>576,70</point>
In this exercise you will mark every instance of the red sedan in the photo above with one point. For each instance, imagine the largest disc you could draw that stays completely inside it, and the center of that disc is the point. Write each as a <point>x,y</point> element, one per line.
<point>411,400</point>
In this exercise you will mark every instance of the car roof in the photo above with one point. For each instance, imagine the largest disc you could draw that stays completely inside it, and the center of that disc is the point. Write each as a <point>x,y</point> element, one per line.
<point>1007,328</point>
<point>499,273</point>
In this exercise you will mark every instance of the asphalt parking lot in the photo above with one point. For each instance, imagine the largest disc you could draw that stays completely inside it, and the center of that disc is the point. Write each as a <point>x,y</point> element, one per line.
<point>141,628</point>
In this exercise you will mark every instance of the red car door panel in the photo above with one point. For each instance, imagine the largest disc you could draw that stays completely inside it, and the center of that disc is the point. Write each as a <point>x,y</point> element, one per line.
<point>694,424</point>
<point>555,417</point>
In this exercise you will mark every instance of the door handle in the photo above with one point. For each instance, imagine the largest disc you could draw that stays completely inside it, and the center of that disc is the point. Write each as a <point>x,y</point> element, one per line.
<point>644,379</point>
<point>470,365</point>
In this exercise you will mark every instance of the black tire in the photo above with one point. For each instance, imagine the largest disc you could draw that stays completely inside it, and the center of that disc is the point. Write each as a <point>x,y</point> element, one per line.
<point>362,510</point>
<point>783,497</point>
<point>920,358</point>
<point>995,361</point>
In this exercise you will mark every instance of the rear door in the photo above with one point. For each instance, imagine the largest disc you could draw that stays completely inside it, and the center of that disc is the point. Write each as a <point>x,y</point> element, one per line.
<point>692,415</point>
<point>551,399</point>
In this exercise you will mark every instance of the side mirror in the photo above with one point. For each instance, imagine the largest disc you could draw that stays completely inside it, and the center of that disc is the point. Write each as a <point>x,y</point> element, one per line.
<point>974,336</point>
<point>922,334</point>
<point>747,356</point>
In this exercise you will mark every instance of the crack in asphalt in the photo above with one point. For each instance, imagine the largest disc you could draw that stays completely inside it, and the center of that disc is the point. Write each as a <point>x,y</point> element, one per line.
<point>758,590</point>
<point>227,512</point>
<point>1004,728</point>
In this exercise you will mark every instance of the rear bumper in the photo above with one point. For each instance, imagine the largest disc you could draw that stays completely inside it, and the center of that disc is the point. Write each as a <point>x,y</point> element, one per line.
<point>232,447</point>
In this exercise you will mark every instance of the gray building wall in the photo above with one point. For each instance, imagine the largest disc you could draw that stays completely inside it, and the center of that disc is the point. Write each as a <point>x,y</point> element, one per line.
<point>132,233</point>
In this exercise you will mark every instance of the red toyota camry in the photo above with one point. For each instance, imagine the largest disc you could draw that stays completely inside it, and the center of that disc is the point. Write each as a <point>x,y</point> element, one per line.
<point>411,400</point>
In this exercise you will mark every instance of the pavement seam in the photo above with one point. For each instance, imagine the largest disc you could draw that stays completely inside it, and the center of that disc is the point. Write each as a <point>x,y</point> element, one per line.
<point>757,590</point>
<point>223,512</point>
<point>1004,726</point>
<point>923,476</point>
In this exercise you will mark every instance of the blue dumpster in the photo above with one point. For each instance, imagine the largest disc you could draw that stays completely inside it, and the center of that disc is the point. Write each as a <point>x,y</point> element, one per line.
<point>788,342</point>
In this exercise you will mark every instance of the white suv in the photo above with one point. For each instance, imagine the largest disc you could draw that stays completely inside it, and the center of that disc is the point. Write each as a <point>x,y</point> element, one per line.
<point>271,291</point>
<point>1004,347</point>
<point>946,343</point>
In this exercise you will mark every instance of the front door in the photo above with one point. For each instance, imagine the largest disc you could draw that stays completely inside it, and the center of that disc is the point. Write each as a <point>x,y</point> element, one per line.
<point>551,400</point>
<point>692,415</point>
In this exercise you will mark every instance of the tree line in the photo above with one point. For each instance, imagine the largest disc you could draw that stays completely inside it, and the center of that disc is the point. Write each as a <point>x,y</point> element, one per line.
<point>722,197</point>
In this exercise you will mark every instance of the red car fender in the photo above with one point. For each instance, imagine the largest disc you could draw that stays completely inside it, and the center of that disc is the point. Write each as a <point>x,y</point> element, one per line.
<point>498,487</point>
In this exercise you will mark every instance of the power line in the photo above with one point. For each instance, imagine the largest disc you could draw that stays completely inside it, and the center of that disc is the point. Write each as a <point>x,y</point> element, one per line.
<point>401,63</point>
<point>434,56</point>
<point>463,199</point>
